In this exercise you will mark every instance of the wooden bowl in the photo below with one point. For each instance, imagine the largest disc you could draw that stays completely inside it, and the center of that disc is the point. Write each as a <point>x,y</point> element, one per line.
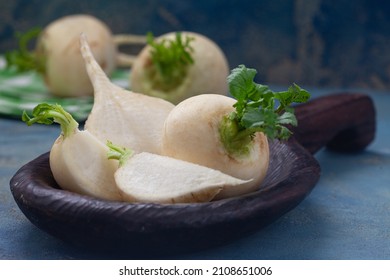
<point>147,229</point>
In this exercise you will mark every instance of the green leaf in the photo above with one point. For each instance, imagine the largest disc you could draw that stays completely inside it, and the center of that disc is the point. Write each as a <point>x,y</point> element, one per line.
<point>294,94</point>
<point>287,118</point>
<point>171,59</point>
<point>23,59</point>
<point>256,109</point>
<point>45,113</point>
<point>241,82</point>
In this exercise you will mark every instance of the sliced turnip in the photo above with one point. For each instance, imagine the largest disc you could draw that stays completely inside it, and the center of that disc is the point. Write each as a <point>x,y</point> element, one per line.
<point>146,177</point>
<point>127,118</point>
<point>78,160</point>
<point>176,66</point>
<point>232,135</point>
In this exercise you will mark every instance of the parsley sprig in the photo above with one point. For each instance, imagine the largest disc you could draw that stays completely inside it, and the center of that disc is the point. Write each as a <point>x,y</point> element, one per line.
<point>258,109</point>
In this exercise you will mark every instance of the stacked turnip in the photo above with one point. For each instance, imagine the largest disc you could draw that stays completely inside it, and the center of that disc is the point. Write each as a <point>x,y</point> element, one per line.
<point>140,148</point>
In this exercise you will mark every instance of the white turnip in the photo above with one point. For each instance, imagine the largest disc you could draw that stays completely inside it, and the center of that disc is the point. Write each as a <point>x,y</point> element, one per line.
<point>78,160</point>
<point>58,45</point>
<point>147,177</point>
<point>57,53</point>
<point>126,118</point>
<point>232,135</point>
<point>178,65</point>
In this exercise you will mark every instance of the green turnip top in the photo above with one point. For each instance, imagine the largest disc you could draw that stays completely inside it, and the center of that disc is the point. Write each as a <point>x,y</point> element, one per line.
<point>179,65</point>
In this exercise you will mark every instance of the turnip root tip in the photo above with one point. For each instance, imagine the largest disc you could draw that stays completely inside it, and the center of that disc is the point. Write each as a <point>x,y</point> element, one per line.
<point>127,118</point>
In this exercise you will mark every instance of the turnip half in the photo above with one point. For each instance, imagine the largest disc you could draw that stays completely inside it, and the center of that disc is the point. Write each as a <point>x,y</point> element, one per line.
<point>179,65</point>
<point>126,118</point>
<point>78,160</point>
<point>147,177</point>
<point>231,135</point>
<point>57,54</point>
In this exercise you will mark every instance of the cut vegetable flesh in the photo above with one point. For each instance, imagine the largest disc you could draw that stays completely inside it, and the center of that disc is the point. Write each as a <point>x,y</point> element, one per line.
<point>147,177</point>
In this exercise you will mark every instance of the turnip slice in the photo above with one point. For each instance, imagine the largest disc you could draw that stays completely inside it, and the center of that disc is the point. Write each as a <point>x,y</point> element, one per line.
<point>127,118</point>
<point>146,177</point>
<point>179,65</point>
<point>231,135</point>
<point>78,160</point>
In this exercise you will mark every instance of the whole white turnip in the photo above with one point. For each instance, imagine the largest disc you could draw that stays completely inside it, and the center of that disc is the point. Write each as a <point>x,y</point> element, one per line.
<point>179,65</point>
<point>57,53</point>
<point>58,47</point>
<point>231,135</point>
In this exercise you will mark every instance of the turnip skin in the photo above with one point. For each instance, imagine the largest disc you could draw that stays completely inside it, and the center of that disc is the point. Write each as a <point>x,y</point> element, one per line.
<point>191,133</point>
<point>58,46</point>
<point>79,164</point>
<point>78,160</point>
<point>126,118</point>
<point>207,74</point>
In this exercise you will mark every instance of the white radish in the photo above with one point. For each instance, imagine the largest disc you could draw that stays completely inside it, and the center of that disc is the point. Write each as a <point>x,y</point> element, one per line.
<point>178,65</point>
<point>146,177</point>
<point>78,160</point>
<point>127,118</point>
<point>231,135</point>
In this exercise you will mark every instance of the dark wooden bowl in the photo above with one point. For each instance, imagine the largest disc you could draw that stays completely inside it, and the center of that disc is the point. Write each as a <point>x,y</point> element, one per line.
<point>145,229</point>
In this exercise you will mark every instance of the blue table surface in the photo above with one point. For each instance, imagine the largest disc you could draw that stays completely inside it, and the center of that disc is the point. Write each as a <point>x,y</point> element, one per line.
<point>346,216</point>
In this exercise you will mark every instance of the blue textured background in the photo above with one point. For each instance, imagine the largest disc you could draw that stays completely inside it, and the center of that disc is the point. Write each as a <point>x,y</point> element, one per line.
<point>318,42</point>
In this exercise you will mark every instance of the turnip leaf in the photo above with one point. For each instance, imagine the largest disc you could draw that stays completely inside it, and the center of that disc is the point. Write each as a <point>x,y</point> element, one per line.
<point>23,59</point>
<point>259,109</point>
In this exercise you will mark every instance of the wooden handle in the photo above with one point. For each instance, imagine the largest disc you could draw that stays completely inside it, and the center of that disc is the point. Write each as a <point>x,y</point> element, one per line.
<point>343,122</point>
